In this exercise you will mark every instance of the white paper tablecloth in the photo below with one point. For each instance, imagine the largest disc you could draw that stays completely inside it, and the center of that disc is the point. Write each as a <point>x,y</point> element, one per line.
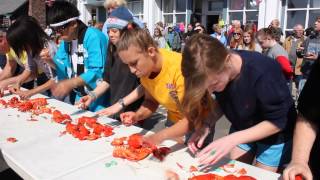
<point>40,153</point>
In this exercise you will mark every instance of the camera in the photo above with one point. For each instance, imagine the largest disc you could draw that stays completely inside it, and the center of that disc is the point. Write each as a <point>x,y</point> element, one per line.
<point>311,32</point>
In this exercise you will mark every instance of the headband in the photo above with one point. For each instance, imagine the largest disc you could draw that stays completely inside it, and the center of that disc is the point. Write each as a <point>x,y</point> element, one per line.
<point>63,22</point>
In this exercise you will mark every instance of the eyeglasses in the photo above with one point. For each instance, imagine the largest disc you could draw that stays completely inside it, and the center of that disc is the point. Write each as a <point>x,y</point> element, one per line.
<point>60,29</point>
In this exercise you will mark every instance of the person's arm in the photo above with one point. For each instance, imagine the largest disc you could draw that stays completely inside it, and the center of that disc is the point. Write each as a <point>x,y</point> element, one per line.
<point>96,45</point>
<point>148,107</point>
<point>303,142</point>
<point>285,66</point>
<point>101,88</point>
<point>136,94</point>
<point>38,89</point>
<point>260,131</point>
<point>8,70</point>
<point>182,127</point>
<point>25,76</point>
<point>62,88</point>
<point>178,130</point>
<point>222,146</point>
<point>304,136</point>
<point>85,101</point>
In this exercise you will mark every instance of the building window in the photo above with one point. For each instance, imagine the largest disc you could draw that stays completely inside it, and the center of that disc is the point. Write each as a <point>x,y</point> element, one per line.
<point>302,12</point>
<point>174,11</point>
<point>244,10</point>
<point>215,5</point>
<point>136,7</point>
<point>198,7</point>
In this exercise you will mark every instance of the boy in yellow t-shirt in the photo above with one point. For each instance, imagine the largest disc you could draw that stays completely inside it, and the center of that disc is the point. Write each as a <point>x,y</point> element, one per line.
<point>160,75</point>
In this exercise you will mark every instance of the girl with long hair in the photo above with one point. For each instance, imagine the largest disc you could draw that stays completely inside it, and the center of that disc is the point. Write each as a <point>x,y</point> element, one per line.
<point>33,43</point>
<point>249,90</point>
<point>249,42</point>
<point>236,41</point>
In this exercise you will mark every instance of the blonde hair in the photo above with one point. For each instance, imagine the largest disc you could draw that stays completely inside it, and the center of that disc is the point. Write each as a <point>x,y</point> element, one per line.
<point>136,37</point>
<point>111,3</point>
<point>202,55</point>
<point>236,43</point>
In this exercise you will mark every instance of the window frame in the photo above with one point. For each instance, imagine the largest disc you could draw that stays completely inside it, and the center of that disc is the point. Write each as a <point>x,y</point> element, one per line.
<point>130,6</point>
<point>307,9</point>
<point>174,13</point>
<point>244,10</point>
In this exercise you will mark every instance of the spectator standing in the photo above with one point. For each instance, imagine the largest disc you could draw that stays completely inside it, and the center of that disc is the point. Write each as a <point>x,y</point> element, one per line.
<point>249,41</point>
<point>235,25</point>
<point>310,51</point>
<point>291,44</point>
<point>218,34</point>
<point>236,41</point>
<point>158,37</point>
<point>173,39</point>
<point>200,29</point>
<point>275,23</point>
<point>189,33</point>
<point>266,38</point>
<point>161,27</point>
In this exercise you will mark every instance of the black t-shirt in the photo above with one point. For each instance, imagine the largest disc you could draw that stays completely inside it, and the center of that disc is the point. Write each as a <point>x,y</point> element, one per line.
<point>122,82</point>
<point>259,93</point>
<point>309,107</point>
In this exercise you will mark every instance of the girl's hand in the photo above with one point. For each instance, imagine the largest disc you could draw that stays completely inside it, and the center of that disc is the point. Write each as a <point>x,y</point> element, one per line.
<point>84,102</point>
<point>128,118</point>
<point>294,169</point>
<point>196,140</point>
<point>24,94</point>
<point>216,150</point>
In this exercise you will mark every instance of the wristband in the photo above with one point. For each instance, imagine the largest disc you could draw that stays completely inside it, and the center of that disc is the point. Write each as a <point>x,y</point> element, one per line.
<point>121,102</point>
<point>92,95</point>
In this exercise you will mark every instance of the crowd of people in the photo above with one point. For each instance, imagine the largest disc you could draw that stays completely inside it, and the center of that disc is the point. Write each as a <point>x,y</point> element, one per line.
<point>122,71</point>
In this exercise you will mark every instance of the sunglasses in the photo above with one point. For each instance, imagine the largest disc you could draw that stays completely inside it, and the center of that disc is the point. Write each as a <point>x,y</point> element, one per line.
<point>60,29</point>
<point>239,34</point>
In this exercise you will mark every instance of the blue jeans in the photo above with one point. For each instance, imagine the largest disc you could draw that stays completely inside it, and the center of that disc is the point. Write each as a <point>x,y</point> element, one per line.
<point>301,85</point>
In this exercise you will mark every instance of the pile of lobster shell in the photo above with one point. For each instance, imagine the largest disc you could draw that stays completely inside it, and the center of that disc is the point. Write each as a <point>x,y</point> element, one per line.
<point>133,148</point>
<point>87,128</point>
<point>36,106</point>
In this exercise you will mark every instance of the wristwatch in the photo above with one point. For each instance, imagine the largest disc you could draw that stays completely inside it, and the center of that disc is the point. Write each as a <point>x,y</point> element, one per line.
<point>121,102</point>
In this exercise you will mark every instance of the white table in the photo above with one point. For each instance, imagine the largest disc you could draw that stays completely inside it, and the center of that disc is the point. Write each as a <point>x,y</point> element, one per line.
<point>40,153</point>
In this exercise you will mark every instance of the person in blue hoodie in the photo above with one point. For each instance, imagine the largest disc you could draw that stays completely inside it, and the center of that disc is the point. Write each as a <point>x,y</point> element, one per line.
<point>81,56</point>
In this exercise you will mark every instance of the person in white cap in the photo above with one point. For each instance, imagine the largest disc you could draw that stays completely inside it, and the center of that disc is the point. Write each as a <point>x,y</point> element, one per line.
<point>81,56</point>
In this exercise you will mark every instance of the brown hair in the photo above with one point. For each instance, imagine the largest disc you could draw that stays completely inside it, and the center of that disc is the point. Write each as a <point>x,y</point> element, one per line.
<point>160,33</point>
<point>215,27</point>
<point>202,55</point>
<point>136,37</point>
<point>269,32</point>
<point>252,45</point>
